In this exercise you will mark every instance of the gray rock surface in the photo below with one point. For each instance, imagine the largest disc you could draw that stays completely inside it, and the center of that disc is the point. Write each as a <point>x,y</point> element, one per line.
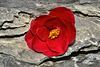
<point>15,18</point>
<point>90,60</point>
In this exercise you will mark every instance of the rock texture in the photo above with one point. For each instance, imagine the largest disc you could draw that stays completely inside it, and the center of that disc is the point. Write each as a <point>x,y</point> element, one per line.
<point>15,18</point>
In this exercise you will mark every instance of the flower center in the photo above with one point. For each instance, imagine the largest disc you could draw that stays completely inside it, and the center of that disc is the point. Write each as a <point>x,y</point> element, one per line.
<point>54,33</point>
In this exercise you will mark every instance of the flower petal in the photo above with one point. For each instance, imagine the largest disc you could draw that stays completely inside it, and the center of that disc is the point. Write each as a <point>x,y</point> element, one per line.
<point>34,43</point>
<point>59,44</point>
<point>29,38</point>
<point>50,53</point>
<point>38,22</point>
<point>42,33</point>
<point>39,45</point>
<point>71,32</point>
<point>68,17</point>
<point>63,13</point>
<point>54,22</point>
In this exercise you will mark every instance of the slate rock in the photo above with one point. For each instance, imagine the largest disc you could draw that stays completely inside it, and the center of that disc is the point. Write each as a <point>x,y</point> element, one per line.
<point>15,18</point>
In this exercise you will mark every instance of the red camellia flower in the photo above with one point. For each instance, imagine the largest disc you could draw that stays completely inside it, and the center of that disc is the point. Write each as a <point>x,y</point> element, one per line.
<point>51,34</point>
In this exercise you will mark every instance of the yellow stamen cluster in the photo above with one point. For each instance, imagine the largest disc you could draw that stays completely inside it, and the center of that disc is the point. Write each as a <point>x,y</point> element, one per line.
<point>54,33</point>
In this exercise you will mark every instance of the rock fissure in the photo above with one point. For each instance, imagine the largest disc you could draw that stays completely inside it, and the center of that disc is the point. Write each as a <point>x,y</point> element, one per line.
<point>74,54</point>
<point>86,15</point>
<point>12,27</point>
<point>30,14</point>
<point>13,36</point>
<point>6,22</point>
<point>84,52</point>
<point>22,12</point>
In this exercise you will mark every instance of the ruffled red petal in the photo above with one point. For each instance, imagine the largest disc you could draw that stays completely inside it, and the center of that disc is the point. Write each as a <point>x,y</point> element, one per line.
<point>50,53</point>
<point>68,16</point>
<point>29,38</point>
<point>42,33</point>
<point>54,22</point>
<point>59,44</point>
<point>63,13</point>
<point>71,32</point>
<point>38,22</point>
<point>34,43</point>
<point>39,45</point>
